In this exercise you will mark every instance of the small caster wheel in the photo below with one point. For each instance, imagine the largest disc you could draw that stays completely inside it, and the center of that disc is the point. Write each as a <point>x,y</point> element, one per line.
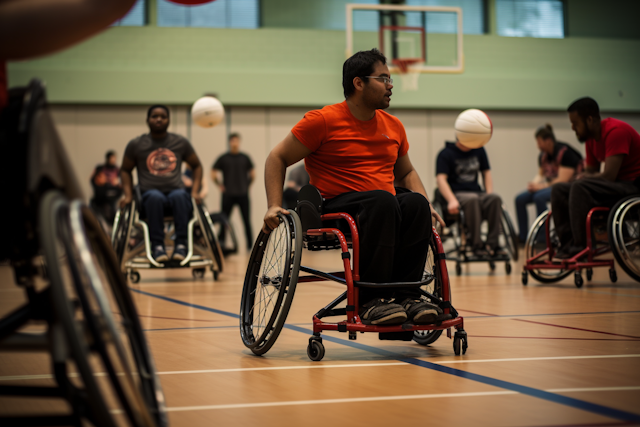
<point>492,266</point>
<point>215,273</point>
<point>198,273</point>
<point>613,275</point>
<point>525,278</point>
<point>460,342</point>
<point>134,276</point>
<point>578,279</point>
<point>507,267</point>
<point>589,274</point>
<point>315,350</point>
<point>458,269</point>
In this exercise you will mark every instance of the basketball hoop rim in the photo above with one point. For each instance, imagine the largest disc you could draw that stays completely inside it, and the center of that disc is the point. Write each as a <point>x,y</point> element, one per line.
<point>403,64</point>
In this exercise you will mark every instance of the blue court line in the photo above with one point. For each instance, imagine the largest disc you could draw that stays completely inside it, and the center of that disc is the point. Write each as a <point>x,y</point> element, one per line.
<point>529,391</point>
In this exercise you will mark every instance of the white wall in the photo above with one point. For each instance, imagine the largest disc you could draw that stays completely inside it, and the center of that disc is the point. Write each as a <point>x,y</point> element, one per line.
<point>89,131</point>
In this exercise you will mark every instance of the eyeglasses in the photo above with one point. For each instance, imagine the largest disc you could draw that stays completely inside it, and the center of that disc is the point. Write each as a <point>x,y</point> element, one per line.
<point>384,79</point>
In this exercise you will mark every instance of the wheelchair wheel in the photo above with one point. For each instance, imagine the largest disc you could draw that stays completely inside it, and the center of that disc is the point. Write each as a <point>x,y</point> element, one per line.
<point>537,242</point>
<point>206,225</point>
<point>82,268</point>
<point>121,230</point>
<point>509,235</point>
<point>624,235</point>
<point>112,315</point>
<point>270,284</point>
<point>431,269</point>
<point>53,234</point>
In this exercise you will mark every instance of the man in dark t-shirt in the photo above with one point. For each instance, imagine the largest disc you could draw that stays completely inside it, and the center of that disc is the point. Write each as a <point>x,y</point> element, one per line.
<point>457,169</point>
<point>158,157</point>
<point>238,174</point>
<point>609,141</point>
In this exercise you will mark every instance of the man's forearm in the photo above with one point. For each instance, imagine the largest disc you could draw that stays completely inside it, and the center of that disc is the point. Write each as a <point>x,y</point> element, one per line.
<point>127,184</point>
<point>197,180</point>
<point>412,182</point>
<point>274,173</point>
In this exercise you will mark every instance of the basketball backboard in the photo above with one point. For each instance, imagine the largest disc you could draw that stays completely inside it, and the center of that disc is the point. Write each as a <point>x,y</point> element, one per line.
<point>427,39</point>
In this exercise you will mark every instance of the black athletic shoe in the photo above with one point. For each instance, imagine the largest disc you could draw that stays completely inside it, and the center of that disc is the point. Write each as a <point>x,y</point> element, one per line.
<point>421,312</point>
<point>480,252</point>
<point>567,252</point>
<point>382,312</point>
<point>179,253</point>
<point>159,254</point>
<point>498,252</point>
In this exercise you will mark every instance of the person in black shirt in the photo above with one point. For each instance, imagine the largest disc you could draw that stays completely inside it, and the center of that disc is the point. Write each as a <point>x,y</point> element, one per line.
<point>457,169</point>
<point>107,188</point>
<point>238,174</point>
<point>558,162</point>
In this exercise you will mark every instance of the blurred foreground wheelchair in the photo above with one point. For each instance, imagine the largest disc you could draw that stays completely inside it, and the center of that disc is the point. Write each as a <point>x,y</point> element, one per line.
<point>615,230</point>
<point>132,244</point>
<point>273,273</point>
<point>456,238</point>
<point>88,325</point>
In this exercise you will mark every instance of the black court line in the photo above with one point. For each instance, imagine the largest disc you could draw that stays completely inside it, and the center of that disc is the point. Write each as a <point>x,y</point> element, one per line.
<point>529,391</point>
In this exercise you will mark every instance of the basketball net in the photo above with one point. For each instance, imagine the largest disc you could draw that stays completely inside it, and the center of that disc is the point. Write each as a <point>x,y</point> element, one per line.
<point>408,74</point>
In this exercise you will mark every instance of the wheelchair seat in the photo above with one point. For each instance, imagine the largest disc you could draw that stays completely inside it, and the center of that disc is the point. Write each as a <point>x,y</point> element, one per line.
<point>310,209</point>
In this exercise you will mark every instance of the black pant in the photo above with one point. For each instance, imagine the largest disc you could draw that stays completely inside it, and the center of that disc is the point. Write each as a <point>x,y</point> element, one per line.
<point>571,202</point>
<point>394,236</point>
<point>228,202</point>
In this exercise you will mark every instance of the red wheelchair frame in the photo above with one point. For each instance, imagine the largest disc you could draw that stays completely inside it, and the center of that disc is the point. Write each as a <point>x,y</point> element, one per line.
<point>573,264</point>
<point>351,276</point>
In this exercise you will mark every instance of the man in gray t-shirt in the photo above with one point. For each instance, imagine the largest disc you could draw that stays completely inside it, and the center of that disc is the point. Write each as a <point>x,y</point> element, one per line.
<point>238,174</point>
<point>158,157</point>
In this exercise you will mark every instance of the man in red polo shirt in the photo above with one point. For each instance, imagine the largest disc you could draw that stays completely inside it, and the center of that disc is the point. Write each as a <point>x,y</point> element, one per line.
<point>355,154</point>
<point>609,141</point>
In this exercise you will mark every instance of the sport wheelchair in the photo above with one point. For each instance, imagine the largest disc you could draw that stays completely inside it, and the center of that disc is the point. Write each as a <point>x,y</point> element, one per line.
<point>460,251</point>
<point>273,273</point>
<point>64,261</point>
<point>614,230</point>
<point>130,239</point>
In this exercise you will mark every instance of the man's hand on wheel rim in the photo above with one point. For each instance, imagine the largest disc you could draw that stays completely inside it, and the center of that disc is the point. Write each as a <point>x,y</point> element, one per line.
<point>271,218</point>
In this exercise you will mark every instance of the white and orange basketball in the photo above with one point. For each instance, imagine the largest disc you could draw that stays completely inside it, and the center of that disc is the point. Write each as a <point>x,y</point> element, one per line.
<point>207,112</point>
<point>473,128</point>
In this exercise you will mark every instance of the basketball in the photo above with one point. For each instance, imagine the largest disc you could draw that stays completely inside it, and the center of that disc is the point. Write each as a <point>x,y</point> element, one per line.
<point>473,128</point>
<point>207,112</point>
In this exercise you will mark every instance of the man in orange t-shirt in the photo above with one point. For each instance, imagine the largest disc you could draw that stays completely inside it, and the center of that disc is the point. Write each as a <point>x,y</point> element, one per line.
<point>355,154</point>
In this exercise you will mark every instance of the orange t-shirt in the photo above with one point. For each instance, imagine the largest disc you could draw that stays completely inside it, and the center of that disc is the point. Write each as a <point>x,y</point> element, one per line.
<point>350,154</point>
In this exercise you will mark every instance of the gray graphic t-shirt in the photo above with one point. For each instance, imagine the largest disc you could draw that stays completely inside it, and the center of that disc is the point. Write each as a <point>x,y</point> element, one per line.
<point>159,161</point>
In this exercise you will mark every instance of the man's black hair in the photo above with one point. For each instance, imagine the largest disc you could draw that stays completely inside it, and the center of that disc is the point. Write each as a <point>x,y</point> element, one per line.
<point>109,154</point>
<point>585,107</point>
<point>234,135</point>
<point>153,107</point>
<point>361,64</point>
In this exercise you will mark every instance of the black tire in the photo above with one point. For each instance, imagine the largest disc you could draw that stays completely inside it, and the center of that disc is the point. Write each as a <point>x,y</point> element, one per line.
<point>492,266</point>
<point>315,350</point>
<point>211,241</point>
<point>134,276</point>
<point>534,245</point>
<point>458,269</point>
<point>525,278</point>
<point>457,345</point>
<point>507,267</point>
<point>577,279</point>
<point>613,276</point>
<point>589,274</point>
<point>624,235</point>
<point>509,234</point>
<point>112,315</point>
<point>198,273</point>
<point>261,320</point>
<point>435,289</point>
<point>121,230</point>
<point>51,217</point>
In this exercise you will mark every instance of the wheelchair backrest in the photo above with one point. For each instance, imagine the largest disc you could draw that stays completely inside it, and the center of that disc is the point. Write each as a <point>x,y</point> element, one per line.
<point>309,207</point>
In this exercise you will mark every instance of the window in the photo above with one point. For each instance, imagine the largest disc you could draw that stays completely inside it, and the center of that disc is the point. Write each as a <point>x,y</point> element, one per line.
<point>217,14</point>
<point>530,18</point>
<point>473,20</point>
<point>136,16</point>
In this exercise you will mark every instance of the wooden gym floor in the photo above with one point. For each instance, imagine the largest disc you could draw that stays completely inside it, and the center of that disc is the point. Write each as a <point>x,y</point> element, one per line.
<point>540,355</point>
